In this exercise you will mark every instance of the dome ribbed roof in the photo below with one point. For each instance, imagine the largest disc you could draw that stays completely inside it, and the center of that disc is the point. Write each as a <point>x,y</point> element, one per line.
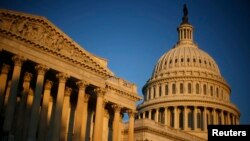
<point>185,57</point>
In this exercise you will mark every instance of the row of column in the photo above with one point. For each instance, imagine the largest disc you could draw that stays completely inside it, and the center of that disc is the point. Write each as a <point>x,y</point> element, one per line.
<point>32,114</point>
<point>188,116</point>
<point>172,88</point>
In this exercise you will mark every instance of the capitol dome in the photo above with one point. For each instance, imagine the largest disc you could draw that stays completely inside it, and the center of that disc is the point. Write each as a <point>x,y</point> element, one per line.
<point>186,91</point>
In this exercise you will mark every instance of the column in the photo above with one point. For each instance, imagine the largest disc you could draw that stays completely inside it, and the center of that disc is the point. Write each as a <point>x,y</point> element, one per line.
<point>144,115</point>
<point>27,113</point>
<point>166,115</point>
<point>214,117</point>
<point>80,112</point>
<point>56,124</point>
<point>205,119</point>
<point>10,109</point>
<point>99,114</point>
<point>222,117</point>
<point>44,121</point>
<point>149,114</point>
<point>116,122</point>
<point>65,114</point>
<point>176,121</point>
<point>21,109</point>
<point>195,118</point>
<point>185,118</point>
<point>233,116</point>
<point>156,115</point>
<point>3,80</point>
<point>131,125</point>
<point>34,117</point>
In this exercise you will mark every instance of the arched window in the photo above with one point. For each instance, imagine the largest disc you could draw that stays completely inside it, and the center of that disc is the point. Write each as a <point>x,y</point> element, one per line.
<point>159,90</point>
<point>197,88</point>
<point>211,90</point>
<point>173,88</point>
<point>166,89</point>
<point>205,89</point>
<point>181,88</point>
<point>189,88</point>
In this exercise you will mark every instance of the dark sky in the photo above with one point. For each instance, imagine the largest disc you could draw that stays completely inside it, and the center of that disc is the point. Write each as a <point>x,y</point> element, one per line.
<point>132,35</point>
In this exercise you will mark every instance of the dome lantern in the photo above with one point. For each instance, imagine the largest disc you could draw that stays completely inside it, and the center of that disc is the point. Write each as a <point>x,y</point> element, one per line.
<point>185,30</point>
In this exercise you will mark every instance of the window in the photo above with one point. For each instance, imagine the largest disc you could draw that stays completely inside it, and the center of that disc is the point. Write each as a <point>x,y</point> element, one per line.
<point>205,89</point>
<point>149,93</point>
<point>154,92</point>
<point>181,59</point>
<point>159,90</point>
<point>176,60</point>
<point>173,88</point>
<point>166,89</point>
<point>189,88</point>
<point>199,60</point>
<point>170,62</point>
<point>188,60</point>
<point>211,90</point>
<point>217,92</point>
<point>181,88</point>
<point>194,60</point>
<point>197,88</point>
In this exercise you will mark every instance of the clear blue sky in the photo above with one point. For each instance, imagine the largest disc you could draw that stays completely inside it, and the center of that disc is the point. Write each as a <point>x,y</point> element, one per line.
<point>132,35</point>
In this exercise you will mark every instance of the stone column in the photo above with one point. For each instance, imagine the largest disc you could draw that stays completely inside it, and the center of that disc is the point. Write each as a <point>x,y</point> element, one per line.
<point>56,125</point>
<point>116,122</point>
<point>44,121</point>
<point>34,117</point>
<point>144,115</point>
<point>195,118</point>
<point>166,116</point>
<point>10,109</point>
<point>156,115</point>
<point>99,114</point>
<point>205,119</point>
<point>176,118</point>
<point>222,117</point>
<point>27,113</point>
<point>131,125</point>
<point>21,109</point>
<point>185,118</point>
<point>80,112</point>
<point>65,114</point>
<point>3,80</point>
<point>149,114</point>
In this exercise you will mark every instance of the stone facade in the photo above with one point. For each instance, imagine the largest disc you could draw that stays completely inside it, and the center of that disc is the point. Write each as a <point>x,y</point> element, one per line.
<point>185,93</point>
<point>53,89</point>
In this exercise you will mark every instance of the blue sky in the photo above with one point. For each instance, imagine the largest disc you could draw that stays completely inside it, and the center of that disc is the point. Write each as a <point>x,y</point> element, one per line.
<point>133,34</point>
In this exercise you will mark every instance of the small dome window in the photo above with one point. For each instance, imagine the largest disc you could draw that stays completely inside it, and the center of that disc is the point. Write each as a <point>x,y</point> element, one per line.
<point>176,60</point>
<point>200,60</point>
<point>170,62</point>
<point>194,60</point>
<point>182,60</point>
<point>205,62</point>
<point>188,60</point>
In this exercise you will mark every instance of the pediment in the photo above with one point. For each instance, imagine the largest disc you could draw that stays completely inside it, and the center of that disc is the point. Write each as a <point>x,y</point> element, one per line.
<point>45,35</point>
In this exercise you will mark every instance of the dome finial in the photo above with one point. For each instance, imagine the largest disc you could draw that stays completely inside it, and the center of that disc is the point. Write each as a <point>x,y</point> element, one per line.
<point>185,14</point>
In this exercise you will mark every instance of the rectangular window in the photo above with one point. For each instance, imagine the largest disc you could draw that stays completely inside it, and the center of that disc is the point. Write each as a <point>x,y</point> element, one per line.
<point>166,90</point>
<point>189,88</point>
<point>159,90</point>
<point>181,88</point>
<point>173,88</point>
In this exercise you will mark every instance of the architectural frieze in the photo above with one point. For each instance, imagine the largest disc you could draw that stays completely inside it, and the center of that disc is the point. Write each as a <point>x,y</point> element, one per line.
<point>42,34</point>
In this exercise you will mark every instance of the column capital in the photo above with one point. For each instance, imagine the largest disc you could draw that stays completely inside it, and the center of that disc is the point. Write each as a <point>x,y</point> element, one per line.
<point>86,98</point>
<point>41,69</point>
<point>18,60</point>
<point>48,84</point>
<point>27,77</point>
<point>116,107</point>
<point>82,84</point>
<point>131,113</point>
<point>62,77</point>
<point>68,91</point>
<point>5,69</point>
<point>100,92</point>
